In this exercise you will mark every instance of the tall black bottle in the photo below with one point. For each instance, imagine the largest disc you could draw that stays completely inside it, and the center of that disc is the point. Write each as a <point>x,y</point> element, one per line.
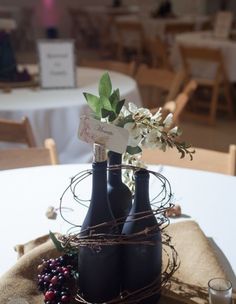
<point>99,268</point>
<point>120,197</point>
<point>141,263</point>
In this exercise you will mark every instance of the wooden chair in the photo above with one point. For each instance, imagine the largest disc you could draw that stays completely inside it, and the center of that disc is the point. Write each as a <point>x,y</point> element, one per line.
<point>175,28</point>
<point>82,28</point>
<point>19,158</point>
<point>118,66</point>
<point>157,51</point>
<point>130,39</point>
<point>206,160</point>
<point>158,85</point>
<point>177,107</point>
<point>17,132</point>
<point>219,80</point>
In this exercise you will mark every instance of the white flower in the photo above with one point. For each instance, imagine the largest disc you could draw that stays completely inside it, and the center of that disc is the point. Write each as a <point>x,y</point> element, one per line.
<point>152,139</point>
<point>132,108</point>
<point>139,111</point>
<point>134,134</point>
<point>168,120</point>
<point>124,112</point>
<point>157,116</point>
<point>174,131</point>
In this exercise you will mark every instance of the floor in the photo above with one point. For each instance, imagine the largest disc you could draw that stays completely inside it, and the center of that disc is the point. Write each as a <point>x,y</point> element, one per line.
<point>217,137</point>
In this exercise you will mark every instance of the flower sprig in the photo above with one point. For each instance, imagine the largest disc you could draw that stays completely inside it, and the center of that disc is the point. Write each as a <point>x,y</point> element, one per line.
<point>145,129</point>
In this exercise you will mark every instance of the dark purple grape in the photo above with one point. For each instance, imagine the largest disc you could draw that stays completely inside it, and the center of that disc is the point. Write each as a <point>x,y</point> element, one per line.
<point>49,295</point>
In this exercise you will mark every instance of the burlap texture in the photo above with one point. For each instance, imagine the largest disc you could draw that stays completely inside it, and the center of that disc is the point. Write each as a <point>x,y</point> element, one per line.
<point>198,265</point>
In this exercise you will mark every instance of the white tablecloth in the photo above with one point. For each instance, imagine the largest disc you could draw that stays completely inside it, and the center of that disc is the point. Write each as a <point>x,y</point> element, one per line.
<point>55,113</point>
<point>206,39</point>
<point>208,198</point>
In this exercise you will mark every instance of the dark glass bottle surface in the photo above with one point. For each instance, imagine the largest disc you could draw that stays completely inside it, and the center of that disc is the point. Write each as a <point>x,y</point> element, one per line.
<point>99,267</point>
<point>120,197</point>
<point>141,263</point>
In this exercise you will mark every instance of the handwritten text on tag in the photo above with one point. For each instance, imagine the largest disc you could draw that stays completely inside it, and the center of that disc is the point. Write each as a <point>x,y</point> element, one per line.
<point>94,131</point>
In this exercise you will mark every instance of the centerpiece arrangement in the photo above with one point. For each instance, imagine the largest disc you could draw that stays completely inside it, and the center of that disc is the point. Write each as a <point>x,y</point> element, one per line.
<point>117,255</point>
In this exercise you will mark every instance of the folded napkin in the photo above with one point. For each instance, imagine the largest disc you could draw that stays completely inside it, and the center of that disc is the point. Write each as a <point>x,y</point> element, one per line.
<point>188,285</point>
<point>198,263</point>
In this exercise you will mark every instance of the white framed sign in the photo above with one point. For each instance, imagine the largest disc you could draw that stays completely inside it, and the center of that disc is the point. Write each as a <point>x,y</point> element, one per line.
<point>223,24</point>
<point>57,63</point>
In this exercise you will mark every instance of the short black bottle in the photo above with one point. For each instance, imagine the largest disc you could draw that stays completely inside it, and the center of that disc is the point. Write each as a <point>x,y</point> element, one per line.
<point>120,196</point>
<point>99,267</point>
<point>141,263</point>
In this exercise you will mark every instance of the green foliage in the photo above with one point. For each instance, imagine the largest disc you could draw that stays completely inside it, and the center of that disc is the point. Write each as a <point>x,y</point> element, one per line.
<point>55,241</point>
<point>108,104</point>
<point>133,150</point>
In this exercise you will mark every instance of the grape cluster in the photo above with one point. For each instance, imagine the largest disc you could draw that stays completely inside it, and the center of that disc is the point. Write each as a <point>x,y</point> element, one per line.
<point>56,279</point>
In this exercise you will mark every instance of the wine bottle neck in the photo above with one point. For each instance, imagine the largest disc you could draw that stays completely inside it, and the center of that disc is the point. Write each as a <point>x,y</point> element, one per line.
<point>141,197</point>
<point>114,175</point>
<point>99,181</point>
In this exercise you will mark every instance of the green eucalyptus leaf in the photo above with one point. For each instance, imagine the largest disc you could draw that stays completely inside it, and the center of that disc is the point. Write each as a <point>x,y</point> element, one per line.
<point>128,119</point>
<point>93,102</point>
<point>119,106</point>
<point>105,102</point>
<point>55,241</point>
<point>114,98</point>
<point>105,86</point>
<point>112,116</point>
<point>105,113</point>
<point>133,150</point>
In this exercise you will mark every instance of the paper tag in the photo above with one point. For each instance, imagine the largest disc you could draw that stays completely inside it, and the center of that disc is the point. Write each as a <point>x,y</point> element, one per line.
<point>112,137</point>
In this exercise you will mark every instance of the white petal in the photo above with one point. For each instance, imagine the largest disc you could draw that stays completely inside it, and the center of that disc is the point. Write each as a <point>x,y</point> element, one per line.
<point>134,141</point>
<point>173,130</point>
<point>168,120</point>
<point>132,107</point>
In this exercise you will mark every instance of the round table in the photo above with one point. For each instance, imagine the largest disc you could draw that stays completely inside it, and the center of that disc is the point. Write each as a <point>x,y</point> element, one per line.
<point>207,198</point>
<point>206,39</point>
<point>55,113</point>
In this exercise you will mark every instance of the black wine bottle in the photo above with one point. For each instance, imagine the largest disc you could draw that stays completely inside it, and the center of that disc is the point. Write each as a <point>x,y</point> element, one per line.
<point>99,266</point>
<point>141,262</point>
<point>120,196</point>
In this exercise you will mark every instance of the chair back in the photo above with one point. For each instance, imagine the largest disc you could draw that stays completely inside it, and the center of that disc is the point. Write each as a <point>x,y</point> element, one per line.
<point>130,34</point>
<point>82,28</point>
<point>127,68</point>
<point>158,52</point>
<point>177,106</point>
<point>17,132</point>
<point>208,55</point>
<point>175,28</point>
<point>29,157</point>
<point>203,159</point>
<point>158,85</point>
<point>194,60</point>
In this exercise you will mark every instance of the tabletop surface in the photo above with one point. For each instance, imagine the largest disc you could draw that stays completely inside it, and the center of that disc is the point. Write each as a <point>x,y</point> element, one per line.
<point>87,81</point>
<point>208,198</point>
<point>205,38</point>
<point>55,113</point>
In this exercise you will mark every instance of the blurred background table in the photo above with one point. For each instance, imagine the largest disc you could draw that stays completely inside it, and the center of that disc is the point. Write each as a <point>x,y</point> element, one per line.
<point>205,39</point>
<point>26,194</point>
<point>55,113</point>
<point>157,26</point>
